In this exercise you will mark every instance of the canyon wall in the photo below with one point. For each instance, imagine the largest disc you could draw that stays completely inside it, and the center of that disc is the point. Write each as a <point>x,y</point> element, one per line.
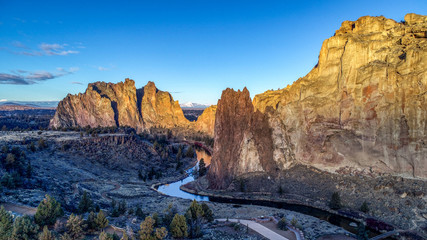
<point>107,104</point>
<point>362,107</point>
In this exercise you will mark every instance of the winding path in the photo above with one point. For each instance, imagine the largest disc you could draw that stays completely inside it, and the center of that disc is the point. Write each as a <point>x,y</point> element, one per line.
<point>257,228</point>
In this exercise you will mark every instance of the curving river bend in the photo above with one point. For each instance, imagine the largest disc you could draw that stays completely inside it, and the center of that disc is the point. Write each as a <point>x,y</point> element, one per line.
<point>173,189</point>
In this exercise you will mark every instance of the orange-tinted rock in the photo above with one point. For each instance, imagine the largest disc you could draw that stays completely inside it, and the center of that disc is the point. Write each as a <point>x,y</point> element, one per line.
<point>206,121</point>
<point>363,106</point>
<point>107,104</point>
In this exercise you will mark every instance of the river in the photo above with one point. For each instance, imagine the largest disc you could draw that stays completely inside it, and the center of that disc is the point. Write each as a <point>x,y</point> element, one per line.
<point>173,189</point>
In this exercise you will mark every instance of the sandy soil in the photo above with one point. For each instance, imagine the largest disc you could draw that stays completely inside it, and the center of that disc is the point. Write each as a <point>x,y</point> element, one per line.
<point>272,226</point>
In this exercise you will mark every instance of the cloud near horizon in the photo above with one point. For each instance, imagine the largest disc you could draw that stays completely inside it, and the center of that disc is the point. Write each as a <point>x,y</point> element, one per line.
<point>23,77</point>
<point>44,49</point>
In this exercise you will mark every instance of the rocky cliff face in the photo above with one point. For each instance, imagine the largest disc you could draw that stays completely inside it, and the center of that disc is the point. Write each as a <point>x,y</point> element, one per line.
<point>206,121</point>
<point>107,104</point>
<point>363,106</point>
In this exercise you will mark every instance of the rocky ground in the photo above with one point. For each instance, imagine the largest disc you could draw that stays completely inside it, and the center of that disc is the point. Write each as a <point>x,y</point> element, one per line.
<point>106,166</point>
<point>400,202</point>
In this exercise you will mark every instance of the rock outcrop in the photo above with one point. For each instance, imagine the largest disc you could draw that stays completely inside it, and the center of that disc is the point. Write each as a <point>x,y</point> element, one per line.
<point>363,106</point>
<point>206,121</point>
<point>107,104</point>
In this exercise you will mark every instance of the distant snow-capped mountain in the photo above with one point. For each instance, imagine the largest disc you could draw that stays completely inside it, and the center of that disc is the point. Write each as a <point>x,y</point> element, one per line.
<point>33,104</point>
<point>193,105</point>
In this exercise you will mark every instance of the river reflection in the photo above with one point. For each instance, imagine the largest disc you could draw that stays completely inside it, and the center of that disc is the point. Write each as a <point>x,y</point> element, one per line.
<point>173,190</point>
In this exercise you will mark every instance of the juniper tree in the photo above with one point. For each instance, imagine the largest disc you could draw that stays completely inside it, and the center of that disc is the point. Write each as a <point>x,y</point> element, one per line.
<point>178,226</point>
<point>75,226</point>
<point>48,211</point>
<point>85,204</point>
<point>101,220</point>
<point>24,228</point>
<point>46,234</point>
<point>335,202</point>
<point>6,224</point>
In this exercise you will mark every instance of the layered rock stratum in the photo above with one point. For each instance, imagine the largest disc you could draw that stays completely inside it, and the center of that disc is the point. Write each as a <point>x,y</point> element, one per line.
<point>363,107</point>
<point>113,105</point>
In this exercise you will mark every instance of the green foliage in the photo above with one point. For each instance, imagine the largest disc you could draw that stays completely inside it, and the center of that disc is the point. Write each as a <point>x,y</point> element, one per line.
<point>124,236</point>
<point>139,213</point>
<point>364,207</point>
<point>75,226</point>
<point>7,181</point>
<point>90,221</point>
<point>335,202</point>
<point>6,224</point>
<point>294,222</point>
<point>85,204</point>
<point>101,220</point>
<point>48,211</point>
<point>122,207</point>
<point>65,236</point>
<point>24,228</point>
<point>202,168</point>
<point>179,154</point>
<point>42,144</point>
<point>46,234</point>
<point>157,220</point>
<point>105,236</point>
<point>169,214</point>
<point>207,213</point>
<point>362,233</point>
<point>10,160</point>
<point>282,224</point>
<point>4,128</point>
<point>178,226</point>
<point>190,152</point>
<point>146,229</point>
<point>194,216</point>
<point>32,147</point>
<point>280,190</point>
<point>161,233</point>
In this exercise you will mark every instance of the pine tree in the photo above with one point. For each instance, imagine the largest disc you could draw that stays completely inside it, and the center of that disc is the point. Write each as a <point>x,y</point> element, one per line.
<point>48,211</point>
<point>65,236</point>
<point>24,228</point>
<point>202,168</point>
<point>122,207</point>
<point>105,236</point>
<point>85,204</point>
<point>364,208</point>
<point>75,226</point>
<point>194,216</point>
<point>139,213</point>
<point>90,222</point>
<point>335,202</point>
<point>362,233</point>
<point>146,229</point>
<point>46,234</point>
<point>190,152</point>
<point>101,221</point>
<point>161,233</point>
<point>207,213</point>
<point>282,224</point>
<point>178,226</point>
<point>6,224</point>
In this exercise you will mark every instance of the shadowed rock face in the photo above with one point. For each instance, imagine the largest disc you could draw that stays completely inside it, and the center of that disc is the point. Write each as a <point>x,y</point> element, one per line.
<point>107,104</point>
<point>364,106</point>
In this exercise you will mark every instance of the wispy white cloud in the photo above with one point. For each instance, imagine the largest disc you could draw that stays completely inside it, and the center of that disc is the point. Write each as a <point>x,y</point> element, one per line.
<point>23,77</point>
<point>55,49</point>
<point>79,83</point>
<point>103,68</point>
<point>3,100</point>
<point>47,49</point>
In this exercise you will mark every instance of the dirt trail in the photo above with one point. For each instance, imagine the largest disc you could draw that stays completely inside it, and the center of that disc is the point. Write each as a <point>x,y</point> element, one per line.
<point>20,209</point>
<point>117,186</point>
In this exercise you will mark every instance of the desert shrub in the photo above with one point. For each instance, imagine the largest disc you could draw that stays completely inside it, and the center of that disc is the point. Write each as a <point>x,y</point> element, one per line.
<point>48,211</point>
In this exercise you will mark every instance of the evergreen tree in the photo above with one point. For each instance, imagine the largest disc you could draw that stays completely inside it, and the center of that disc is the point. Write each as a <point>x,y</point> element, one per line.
<point>24,228</point>
<point>169,214</point>
<point>202,168</point>
<point>190,152</point>
<point>362,233</point>
<point>282,224</point>
<point>75,226</point>
<point>207,213</point>
<point>85,204</point>
<point>90,222</point>
<point>101,220</point>
<point>41,144</point>
<point>46,234</point>
<point>48,211</point>
<point>139,213</point>
<point>122,207</point>
<point>4,128</point>
<point>146,229</point>
<point>179,154</point>
<point>194,216</point>
<point>65,236</point>
<point>335,202</point>
<point>124,236</point>
<point>105,236</point>
<point>178,226</point>
<point>6,224</point>
<point>364,208</point>
<point>29,170</point>
<point>161,233</point>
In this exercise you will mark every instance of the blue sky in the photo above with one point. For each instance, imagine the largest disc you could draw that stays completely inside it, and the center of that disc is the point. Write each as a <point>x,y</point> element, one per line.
<point>193,49</point>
